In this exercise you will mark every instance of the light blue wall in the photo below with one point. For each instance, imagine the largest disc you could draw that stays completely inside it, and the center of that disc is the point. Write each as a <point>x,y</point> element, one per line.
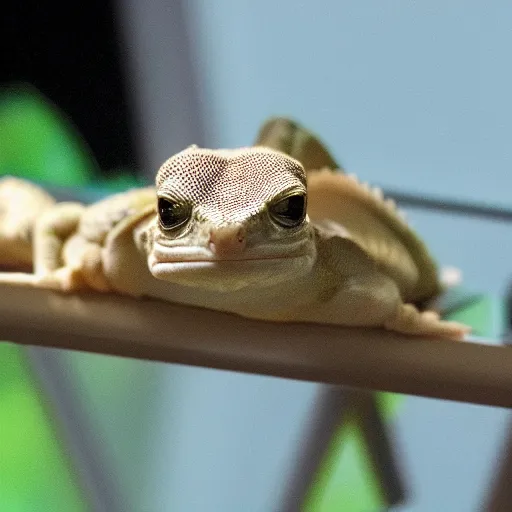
<point>409,94</point>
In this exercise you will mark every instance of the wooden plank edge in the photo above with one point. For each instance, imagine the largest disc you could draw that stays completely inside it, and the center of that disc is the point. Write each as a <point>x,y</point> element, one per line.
<point>154,330</point>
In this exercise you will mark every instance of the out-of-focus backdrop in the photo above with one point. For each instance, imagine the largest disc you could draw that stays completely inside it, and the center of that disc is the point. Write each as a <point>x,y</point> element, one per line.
<point>408,95</point>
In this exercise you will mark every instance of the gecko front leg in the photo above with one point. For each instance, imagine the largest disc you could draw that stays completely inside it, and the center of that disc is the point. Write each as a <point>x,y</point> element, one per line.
<point>50,233</point>
<point>363,295</point>
<point>63,258</point>
<point>373,300</point>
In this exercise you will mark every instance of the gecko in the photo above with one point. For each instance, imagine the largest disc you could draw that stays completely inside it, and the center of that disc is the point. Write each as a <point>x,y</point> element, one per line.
<point>276,231</point>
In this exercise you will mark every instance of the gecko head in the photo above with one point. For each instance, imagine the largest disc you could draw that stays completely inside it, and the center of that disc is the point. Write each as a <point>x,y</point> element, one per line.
<point>228,219</point>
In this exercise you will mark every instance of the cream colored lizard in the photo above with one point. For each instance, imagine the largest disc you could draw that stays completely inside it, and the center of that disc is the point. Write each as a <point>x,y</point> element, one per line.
<point>245,231</point>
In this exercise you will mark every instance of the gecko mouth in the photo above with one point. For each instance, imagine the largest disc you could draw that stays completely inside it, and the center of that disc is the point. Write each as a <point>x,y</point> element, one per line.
<point>175,265</point>
<point>227,260</point>
<point>227,275</point>
<point>231,275</point>
<point>203,256</point>
<point>201,267</point>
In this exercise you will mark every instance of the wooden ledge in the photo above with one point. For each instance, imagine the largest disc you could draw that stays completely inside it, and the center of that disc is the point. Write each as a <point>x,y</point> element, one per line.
<point>364,358</point>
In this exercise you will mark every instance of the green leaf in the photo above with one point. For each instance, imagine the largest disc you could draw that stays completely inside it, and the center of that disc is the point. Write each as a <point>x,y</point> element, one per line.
<point>35,473</point>
<point>39,142</point>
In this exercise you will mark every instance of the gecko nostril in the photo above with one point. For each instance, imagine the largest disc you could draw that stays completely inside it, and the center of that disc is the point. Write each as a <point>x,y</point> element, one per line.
<point>240,236</point>
<point>227,240</point>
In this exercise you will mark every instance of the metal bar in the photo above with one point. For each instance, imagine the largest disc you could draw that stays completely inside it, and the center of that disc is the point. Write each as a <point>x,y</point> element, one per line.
<point>331,407</point>
<point>499,498</point>
<point>380,444</point>
<point>447,205</point>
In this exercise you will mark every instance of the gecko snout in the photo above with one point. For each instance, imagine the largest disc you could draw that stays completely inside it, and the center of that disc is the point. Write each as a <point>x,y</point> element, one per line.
<point>227,241</point>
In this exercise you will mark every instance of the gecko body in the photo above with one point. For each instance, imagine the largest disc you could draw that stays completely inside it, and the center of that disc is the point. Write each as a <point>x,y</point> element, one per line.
<point>251,231</point>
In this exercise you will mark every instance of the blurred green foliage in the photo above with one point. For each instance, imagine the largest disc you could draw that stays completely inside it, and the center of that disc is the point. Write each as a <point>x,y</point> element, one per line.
<point>38,142</point>
<point>35,472</point>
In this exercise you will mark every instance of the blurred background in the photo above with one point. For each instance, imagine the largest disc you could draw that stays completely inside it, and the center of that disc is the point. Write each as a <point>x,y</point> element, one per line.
<point>411,96</point>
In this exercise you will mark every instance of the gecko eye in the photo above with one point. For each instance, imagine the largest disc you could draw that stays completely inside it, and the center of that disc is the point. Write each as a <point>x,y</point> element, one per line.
<point>290,211</point>
<point>172,215</point>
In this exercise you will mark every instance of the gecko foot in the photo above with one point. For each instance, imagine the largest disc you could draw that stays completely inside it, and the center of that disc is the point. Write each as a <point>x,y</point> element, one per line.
<point>409,320</point>
<point>64,279</point>
<point>18,278</point>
